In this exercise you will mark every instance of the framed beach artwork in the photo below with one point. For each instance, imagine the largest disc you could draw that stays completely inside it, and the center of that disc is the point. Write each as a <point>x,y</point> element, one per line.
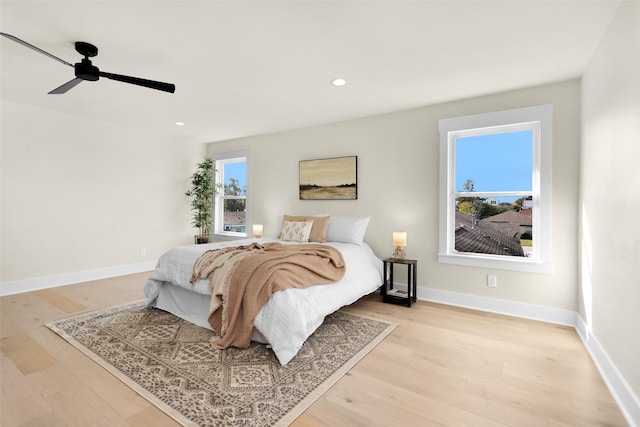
<point>329,179</point>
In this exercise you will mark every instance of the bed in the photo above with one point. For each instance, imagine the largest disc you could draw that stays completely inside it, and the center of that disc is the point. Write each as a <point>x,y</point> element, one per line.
<point>290,316</point>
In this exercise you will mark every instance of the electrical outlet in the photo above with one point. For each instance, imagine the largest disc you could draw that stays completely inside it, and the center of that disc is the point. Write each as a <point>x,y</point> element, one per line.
<point>143,251</point>
<point>492,281</point>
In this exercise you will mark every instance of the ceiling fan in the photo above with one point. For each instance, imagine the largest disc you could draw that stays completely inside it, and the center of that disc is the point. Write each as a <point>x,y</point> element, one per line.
<point>85,70</point>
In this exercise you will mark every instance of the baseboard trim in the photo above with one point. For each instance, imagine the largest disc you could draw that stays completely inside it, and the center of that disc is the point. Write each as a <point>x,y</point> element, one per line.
<point>46,282</point>
<point>623,394</point>
<point>494,305</point>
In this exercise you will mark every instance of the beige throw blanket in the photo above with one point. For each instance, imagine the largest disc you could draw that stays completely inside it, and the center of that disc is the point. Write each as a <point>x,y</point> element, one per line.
<point>242,279</point>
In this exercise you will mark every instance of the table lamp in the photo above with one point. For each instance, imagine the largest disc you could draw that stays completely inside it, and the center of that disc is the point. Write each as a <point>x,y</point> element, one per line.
<point>399,241</point>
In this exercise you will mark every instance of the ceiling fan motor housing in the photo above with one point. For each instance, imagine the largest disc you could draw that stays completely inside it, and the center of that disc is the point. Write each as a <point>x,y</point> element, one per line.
<point>85,70</point>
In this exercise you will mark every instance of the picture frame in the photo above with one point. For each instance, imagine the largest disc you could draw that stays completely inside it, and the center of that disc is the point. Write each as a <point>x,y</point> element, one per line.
<point>334,178</point>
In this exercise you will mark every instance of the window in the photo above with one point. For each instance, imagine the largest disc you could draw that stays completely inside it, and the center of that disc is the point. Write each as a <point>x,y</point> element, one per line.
<point>495,190</point>
<point>231,210</point>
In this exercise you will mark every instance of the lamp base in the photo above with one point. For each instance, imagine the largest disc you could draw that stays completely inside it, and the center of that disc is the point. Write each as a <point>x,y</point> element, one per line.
<point>399,253</point>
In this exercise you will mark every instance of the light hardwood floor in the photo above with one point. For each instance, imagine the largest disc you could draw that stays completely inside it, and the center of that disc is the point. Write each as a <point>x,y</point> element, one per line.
<point>441,366</point>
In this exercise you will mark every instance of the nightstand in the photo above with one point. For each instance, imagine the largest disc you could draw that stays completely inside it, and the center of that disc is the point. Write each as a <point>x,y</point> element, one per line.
<point>396,296</point>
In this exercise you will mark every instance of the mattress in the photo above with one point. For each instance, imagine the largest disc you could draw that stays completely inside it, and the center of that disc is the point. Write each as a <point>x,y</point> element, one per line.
<point>288,317</point>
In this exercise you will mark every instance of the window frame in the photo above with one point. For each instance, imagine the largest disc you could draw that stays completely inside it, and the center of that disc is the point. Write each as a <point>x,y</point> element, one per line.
<point>219,160</point>
<point>539,118</point>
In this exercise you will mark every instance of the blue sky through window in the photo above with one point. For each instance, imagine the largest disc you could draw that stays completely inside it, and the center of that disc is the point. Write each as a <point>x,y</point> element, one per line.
<point>495,162</point>
<point>237,170</point>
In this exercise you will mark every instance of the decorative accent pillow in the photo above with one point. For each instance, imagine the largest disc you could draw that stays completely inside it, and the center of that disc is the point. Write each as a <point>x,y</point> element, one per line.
<point>347,229</point>
<point>318,229</point>
<point>296,231</point>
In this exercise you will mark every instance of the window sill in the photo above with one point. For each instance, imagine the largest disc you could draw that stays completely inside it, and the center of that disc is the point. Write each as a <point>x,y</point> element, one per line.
<point>516,264</point>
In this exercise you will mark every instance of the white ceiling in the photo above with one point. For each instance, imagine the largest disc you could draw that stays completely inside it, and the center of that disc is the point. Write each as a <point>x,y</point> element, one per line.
<point>245,68</point>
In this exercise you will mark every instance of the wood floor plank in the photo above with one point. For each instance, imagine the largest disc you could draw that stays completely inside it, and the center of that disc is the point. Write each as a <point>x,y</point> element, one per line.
<point>60,301</point>
<point>22,312</point>
<point>85,374</point>
<point>26,354</point>
<point>151,416</point>
<point>49,420</point>
<point>20,403</point>
<point>81,407</point>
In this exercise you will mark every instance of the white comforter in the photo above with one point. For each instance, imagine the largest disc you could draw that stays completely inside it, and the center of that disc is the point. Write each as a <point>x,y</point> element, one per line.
<point>289,316</point>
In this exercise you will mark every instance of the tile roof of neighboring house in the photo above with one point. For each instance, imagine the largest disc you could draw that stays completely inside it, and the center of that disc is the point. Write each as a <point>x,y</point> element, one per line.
<point>510,216</point>
<point>509,228</point>
<point>482,238</point>
<point>234,218</point>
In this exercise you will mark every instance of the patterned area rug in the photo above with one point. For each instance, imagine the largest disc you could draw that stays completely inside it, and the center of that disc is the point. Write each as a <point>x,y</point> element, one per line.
<point>170,362</point>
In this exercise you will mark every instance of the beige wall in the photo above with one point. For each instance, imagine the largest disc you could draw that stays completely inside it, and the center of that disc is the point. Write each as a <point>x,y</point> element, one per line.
<point>398,186</point>
<point>80,195</point>
<point>610,194</point>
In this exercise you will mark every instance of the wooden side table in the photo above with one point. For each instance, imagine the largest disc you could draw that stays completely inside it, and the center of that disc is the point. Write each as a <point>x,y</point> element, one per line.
<point>396,296</point>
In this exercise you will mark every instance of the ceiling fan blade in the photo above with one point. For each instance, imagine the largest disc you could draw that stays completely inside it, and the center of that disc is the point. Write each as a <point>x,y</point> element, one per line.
<point>166,87</point>
<point>65,87</point>
<point>37,49</point>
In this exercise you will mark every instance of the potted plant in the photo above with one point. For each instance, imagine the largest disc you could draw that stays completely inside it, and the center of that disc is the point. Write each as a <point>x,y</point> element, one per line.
<point>203,192</point>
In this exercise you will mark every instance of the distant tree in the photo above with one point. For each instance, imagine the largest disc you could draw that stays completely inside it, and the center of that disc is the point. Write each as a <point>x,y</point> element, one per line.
<point>466,208</point>
<point>480,208</point>
<point>469,186</point>
<point>490,210</point>
<point>517,205</point>
<point>472,207</point>
<point>233,189</point>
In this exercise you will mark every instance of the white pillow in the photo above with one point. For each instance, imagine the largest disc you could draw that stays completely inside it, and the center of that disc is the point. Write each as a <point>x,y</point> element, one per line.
<point>296,231</point>
<point>347,229</point>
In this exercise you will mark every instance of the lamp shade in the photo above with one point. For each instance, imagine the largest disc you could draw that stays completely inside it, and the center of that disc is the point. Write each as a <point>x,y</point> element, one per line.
<point>257,230</point>
<point>400,238</point>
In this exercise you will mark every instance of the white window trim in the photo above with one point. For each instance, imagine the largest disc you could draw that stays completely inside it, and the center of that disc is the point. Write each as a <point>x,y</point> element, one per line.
<point>542,187</point>
<point>220,234</point>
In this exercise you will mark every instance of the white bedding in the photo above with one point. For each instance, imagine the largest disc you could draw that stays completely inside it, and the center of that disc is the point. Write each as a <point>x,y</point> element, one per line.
<point>289,316</point>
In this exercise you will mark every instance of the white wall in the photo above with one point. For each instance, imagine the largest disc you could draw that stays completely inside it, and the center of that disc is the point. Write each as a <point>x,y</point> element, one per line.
<point>610,194</point>
<point>81,195</point>
<point>398,186</point>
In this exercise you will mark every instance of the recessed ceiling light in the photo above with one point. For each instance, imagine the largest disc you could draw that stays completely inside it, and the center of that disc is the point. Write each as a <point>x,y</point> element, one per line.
<point>338,82</point>
<point>179,124</point>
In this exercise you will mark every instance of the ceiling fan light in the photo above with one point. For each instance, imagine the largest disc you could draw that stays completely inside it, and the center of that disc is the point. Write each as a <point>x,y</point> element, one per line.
<point>338,82</point>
